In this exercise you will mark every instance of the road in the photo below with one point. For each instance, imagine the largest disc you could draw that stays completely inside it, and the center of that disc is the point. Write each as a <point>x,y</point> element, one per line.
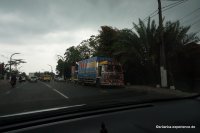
<point>46,95</point>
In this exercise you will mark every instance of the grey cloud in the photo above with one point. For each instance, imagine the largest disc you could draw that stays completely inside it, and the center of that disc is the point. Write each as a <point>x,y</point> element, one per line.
<point>32,26</point>
<point>36,18</point>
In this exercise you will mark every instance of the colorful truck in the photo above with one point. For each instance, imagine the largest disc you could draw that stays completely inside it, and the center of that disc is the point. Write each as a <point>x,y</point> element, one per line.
<point>100,71</point>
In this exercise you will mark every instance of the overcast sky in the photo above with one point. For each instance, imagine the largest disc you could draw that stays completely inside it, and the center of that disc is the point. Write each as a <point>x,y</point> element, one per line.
<point>41,29</point>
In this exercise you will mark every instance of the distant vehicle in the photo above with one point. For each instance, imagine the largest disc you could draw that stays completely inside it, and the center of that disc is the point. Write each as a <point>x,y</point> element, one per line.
<point>33,79</point>
<point>23,79</point>
<point>46,77</point>
<point>31,75</point>
<point>100,71</point>
<point>59,79</point>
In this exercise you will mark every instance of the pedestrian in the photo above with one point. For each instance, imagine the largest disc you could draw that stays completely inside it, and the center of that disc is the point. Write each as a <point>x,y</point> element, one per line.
<point>20,79</point>
<point>13,80</point>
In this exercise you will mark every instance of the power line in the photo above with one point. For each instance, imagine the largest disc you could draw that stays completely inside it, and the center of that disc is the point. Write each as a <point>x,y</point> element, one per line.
<point>197,32</point>
<point>188,21</point>
<point>178,3</point>
<point>156,11</point>
<point>173,5</point>
<point>195,22</point>
<point>167,7</point>
<point>190,13</point>
<point>151,15</point>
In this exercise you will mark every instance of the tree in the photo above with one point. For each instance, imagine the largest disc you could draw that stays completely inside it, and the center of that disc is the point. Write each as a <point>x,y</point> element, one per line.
<point>138,49</point>
<point>107,38</point>
<point>176,36</point>
<point>60,67</point>
<point>72,55</point>
<point>84,50</point>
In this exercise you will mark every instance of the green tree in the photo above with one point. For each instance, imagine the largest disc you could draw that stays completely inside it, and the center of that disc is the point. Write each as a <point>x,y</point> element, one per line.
<point>175,37</point>
<point>107,38</point>
<point>72,55</point>
<point>137,49</point>
<point>60,67</point>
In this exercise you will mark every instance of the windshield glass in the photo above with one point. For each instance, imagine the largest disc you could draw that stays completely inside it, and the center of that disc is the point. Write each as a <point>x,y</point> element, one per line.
<point>73,53</point>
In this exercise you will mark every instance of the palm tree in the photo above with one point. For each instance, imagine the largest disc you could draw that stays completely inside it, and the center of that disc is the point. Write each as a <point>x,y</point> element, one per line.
<point>140,47</point>
<point>176,36</point>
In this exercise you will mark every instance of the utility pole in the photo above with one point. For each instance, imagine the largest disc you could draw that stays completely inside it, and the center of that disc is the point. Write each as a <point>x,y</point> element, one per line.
<point>163,71</point>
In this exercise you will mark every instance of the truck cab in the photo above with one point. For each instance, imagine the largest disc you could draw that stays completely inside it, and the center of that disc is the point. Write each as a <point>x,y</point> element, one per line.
<point>110,73</point>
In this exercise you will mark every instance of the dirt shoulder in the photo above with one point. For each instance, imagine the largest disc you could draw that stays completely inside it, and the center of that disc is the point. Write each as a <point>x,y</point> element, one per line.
<point>162,92</point>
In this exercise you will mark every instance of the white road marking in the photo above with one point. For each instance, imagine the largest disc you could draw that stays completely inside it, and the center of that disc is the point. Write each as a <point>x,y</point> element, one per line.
<point>56,90</point>
<point>42,110</point>
<point>61,93</point>
<point>47,85</point>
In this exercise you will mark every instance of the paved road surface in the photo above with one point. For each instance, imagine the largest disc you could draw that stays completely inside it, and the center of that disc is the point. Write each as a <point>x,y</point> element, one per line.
<point>44,95</point>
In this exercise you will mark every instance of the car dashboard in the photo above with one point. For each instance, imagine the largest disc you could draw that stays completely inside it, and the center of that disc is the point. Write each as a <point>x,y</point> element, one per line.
<point>164,116</point>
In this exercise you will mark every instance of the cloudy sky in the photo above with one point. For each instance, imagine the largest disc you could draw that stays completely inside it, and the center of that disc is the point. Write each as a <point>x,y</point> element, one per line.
<point>41,29</point>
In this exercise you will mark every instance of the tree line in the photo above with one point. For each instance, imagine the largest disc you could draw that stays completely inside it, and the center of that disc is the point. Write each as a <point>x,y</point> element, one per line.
<point>137,49</point>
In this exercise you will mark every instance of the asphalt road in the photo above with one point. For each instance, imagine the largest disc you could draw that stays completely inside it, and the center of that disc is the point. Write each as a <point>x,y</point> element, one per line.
<point>28,96</point>
<point>44,95</point>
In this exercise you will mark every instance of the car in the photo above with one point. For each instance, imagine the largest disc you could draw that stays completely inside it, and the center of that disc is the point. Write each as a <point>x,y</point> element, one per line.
<point>59,79</point>
<point>23,79</point>
<point>33,79</point>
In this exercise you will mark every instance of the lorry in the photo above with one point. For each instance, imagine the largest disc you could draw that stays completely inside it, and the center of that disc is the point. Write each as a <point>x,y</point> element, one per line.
<point>101,71</point>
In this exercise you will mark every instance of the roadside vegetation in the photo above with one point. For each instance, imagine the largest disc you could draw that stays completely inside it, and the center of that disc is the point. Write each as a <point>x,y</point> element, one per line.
<point>138,51</point>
